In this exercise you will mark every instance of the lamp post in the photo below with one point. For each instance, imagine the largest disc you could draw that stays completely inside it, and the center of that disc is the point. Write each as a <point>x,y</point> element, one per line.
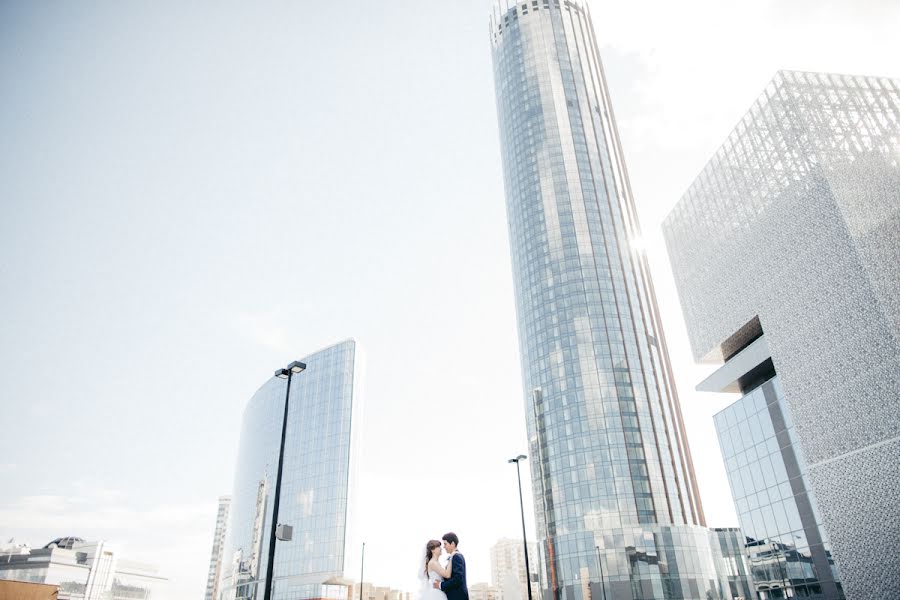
<point>362,567</point>
<point>288,373</point>
<point>600,564</point>
<point>522,509</point>
<point>786,588</point>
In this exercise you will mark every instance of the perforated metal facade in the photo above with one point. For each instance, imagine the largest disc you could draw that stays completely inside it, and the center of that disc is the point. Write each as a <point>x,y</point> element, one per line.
<point>795,223</point>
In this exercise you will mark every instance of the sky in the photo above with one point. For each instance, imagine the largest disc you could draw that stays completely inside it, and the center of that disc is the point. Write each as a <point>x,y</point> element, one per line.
<point>195,194</point>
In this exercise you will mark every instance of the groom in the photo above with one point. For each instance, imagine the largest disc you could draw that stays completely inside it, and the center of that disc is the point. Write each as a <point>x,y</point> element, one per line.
<point>455,587</point>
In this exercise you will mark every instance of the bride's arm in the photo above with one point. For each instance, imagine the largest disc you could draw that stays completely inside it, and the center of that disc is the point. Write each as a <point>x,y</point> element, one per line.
<point>442,571</point>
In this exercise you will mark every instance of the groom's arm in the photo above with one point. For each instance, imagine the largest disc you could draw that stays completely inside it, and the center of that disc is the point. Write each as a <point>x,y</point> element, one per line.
<point>457,576</point>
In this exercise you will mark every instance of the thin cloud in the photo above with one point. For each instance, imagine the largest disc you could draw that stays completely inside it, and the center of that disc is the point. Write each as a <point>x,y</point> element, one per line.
<point>103,512</point>
<point>262,330</point>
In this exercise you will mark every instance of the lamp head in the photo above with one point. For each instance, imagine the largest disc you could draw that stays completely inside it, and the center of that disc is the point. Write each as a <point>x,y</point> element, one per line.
<point>297,367</point>
<point>282,373</point>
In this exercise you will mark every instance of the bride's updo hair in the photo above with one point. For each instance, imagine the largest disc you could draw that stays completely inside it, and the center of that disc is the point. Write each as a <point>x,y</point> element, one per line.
<point>431,545</point>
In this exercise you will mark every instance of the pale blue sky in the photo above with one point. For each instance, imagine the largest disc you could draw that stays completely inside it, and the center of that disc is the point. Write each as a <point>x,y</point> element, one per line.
<point>192,195</point>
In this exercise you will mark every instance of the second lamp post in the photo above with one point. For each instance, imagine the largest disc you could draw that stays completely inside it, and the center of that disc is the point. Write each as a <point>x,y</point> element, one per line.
<point>522,510</point>
<point>288,373</point>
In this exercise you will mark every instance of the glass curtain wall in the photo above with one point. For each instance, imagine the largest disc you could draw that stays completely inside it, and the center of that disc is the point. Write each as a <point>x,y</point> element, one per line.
<point>786,542</point>
<point>316,483</point>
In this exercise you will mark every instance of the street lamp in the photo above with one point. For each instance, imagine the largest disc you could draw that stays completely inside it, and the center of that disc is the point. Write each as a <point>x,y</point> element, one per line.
<point>362,567</point>
<point>781,559</point>
<point>292,369</point>
<point>522,509</point>
<point>600,564</point>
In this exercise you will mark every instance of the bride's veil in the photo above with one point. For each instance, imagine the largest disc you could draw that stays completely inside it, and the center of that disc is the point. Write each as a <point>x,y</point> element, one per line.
<point>421,576</point>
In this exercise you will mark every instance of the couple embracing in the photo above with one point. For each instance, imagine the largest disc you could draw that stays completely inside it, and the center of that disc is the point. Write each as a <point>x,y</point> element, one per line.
<point>445,583</point>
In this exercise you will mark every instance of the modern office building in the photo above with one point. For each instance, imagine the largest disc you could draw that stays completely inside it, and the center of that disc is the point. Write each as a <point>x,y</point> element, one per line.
<point>786,256</point>
<point>613,482</point>
<point>508,568</point>
<point>317,490</point>
<point>84,571</point>
<point>215,559</point>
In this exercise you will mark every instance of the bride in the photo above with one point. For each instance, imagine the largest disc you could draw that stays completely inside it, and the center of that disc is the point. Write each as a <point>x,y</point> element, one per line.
<point>433,571</point>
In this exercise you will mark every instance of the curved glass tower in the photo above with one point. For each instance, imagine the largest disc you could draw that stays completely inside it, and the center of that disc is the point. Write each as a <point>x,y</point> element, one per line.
<point>317,483</point>
<point>611,471</point>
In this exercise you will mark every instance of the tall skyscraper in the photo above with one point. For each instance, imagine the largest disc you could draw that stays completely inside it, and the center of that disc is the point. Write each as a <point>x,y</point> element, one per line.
<point>610,466</point>
<point>786,256</point>
<point>317,487</point>
<point>215,559</point>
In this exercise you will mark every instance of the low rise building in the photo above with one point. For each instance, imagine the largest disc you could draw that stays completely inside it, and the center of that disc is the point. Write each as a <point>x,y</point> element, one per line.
<point>21,590</point>
<point>83,571</point>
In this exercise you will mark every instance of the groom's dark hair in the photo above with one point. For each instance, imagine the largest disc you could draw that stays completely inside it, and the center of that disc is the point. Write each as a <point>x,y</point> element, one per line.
<point>451,538</point>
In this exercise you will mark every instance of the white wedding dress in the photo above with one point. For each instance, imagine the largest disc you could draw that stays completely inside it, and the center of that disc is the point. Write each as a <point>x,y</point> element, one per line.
<point>429,593</point>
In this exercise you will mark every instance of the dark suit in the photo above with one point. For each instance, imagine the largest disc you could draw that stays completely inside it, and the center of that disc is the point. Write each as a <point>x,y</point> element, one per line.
<point>455,587</point>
